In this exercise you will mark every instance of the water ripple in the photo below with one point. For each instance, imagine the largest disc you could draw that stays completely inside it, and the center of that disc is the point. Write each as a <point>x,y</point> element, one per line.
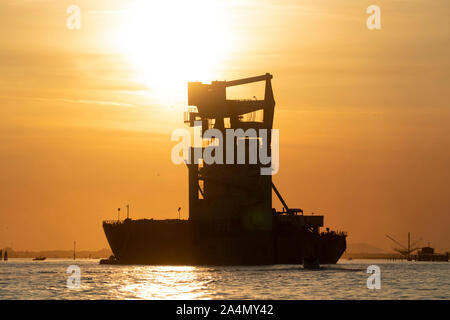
<point>22,279</point>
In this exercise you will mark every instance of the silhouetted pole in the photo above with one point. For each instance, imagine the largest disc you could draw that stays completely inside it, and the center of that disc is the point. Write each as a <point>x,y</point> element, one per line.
<point>179,210</point>
<point>409,246</point>
<point>128,211</point>
<point>74,247</point>
<point>118,214</point>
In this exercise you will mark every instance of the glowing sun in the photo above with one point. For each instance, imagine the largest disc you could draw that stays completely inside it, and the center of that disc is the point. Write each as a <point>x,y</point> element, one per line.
<point>174,41</point>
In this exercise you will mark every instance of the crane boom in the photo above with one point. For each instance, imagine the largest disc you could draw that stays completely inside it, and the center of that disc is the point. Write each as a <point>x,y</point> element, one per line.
<point>289,211</point>
<point>280,197</point>
<point>398,243</point>
<point>238,82</point>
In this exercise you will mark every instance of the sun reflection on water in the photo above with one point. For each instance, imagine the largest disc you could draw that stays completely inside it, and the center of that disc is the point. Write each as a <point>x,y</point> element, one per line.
<point>165,282</point>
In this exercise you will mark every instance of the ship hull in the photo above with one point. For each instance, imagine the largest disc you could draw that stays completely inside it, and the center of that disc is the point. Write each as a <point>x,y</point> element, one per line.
<point>184,242</point>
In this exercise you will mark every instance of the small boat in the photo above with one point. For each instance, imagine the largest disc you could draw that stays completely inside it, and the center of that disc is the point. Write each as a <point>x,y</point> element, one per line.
<point>110,260</point>
<point>39,259</point>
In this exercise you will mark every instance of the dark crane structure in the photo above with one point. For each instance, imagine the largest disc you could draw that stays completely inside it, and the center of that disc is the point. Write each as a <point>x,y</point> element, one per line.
<point>407,250</point>
<point>216,187</point>
<point>231,190</point>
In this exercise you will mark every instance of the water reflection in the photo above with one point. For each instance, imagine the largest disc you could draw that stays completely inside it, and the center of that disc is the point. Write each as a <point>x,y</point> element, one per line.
<point>346,280</point>
<point>165,282</point>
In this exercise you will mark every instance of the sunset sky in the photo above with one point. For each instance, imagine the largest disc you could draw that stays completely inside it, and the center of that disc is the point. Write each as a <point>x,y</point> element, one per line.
<point>86,115</point>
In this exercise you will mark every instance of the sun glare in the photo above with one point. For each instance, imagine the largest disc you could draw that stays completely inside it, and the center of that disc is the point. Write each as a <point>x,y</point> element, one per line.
<point>174,41</point>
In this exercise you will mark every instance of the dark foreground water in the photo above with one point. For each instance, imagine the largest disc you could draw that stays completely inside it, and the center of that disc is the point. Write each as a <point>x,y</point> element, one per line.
<point>26,279</point>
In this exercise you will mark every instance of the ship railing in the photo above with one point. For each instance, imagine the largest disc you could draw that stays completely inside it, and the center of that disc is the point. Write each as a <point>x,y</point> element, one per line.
<point>113,221</point>
<point>334,233</point>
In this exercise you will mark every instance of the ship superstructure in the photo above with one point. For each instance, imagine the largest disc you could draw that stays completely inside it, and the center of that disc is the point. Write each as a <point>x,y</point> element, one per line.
<point>231,217</point>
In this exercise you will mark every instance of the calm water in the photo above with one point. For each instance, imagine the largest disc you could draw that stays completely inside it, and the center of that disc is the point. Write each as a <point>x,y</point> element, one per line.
<point>26,279</point>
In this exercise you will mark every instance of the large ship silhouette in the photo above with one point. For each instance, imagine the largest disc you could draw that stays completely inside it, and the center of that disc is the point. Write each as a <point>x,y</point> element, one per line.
<point>231,219</point>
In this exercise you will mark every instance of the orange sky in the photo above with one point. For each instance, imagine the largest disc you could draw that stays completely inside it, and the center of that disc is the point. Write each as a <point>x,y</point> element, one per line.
<point>86,115</point>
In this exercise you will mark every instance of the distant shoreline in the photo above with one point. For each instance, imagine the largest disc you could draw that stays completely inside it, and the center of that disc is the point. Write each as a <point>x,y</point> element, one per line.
<point>61,254</point>
<point>105,253</point>
<point>381,256</point>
